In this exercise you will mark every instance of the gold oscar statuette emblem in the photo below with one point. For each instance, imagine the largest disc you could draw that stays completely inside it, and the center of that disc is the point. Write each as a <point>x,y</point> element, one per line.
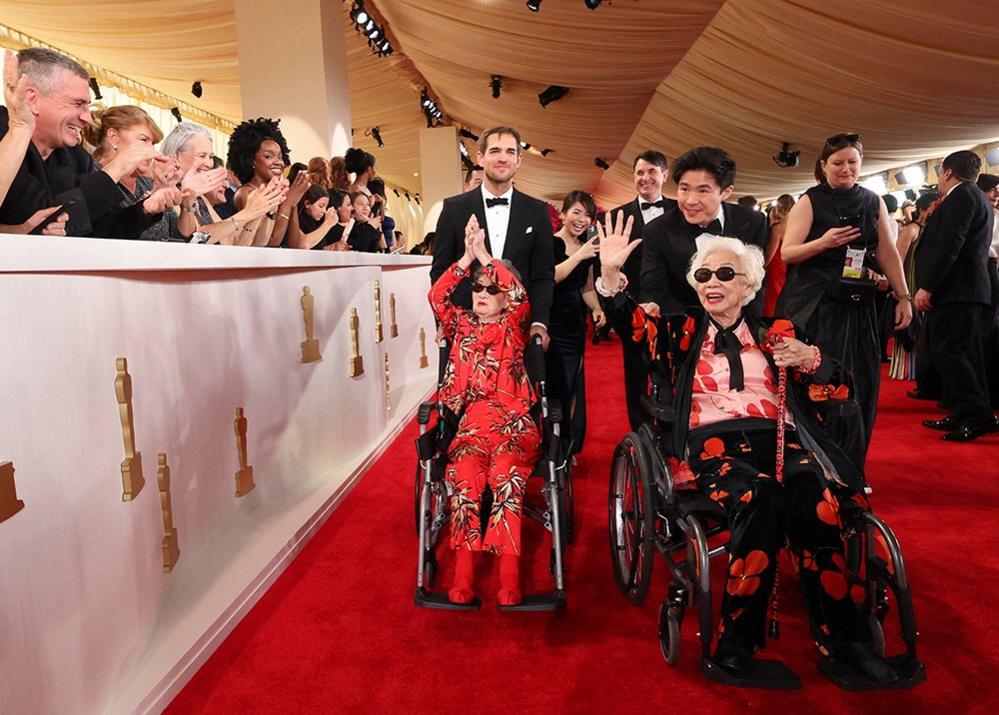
<point>171,548</point>
<point>379,334</point>
<point>356,361</point>
<point>424,362</point>
<point>394,325</point>
<point>9,503</point>
<point>388,386</point>
<point>244,477</point>
<point>131,467</point>
<point>310,348</point>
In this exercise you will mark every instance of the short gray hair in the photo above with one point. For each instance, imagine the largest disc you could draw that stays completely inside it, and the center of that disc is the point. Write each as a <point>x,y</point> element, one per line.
<point>750,260</point>
<point>42,67</point>
<point>176,141</point>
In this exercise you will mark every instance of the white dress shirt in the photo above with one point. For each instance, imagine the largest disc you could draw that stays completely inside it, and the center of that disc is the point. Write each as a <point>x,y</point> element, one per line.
<point>994,248</point>
<point>653,212</point>
<point>497,220</point>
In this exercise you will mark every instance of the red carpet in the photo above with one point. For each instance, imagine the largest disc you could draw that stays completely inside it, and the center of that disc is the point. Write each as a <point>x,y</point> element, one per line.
<point>338,631</point>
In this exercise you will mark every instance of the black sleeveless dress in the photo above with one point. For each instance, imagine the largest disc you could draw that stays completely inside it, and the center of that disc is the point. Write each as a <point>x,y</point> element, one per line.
<point>843,326</point>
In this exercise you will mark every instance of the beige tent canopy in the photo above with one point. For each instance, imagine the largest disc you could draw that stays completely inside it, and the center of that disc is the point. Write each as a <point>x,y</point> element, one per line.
<point>915,79</point>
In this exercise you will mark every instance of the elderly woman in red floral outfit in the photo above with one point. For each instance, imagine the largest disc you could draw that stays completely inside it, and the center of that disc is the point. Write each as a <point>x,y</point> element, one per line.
<point>487,389</point>
<point>717,367</point>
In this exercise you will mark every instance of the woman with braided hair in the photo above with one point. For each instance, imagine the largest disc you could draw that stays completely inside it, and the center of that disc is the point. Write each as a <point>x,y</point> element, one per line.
<point>258,155</point>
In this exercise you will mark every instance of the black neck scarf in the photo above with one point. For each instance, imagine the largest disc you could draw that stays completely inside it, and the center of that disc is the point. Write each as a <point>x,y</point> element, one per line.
<point>728,343</point>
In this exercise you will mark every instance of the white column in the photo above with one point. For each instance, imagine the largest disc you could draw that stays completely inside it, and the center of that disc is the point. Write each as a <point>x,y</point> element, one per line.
<point>293,66</point>
<point>440,171</point>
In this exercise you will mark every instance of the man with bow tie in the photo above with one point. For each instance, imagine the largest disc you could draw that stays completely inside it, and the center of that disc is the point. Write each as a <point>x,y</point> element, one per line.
<point>517,226</point>
<point>704,177</point>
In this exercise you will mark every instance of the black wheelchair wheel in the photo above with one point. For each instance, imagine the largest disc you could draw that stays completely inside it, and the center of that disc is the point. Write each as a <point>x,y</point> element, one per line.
<point>631,518</point>
<point>418,484</point>
<point>568,505</point>
<point>669,632</point>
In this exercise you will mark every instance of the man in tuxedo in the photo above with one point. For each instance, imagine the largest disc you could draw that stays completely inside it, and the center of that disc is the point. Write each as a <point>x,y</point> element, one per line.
<point>517,226</point>
<point>56,171</point>
<point>704,178</point>
<point>649,174</point>
<point>956,292</point>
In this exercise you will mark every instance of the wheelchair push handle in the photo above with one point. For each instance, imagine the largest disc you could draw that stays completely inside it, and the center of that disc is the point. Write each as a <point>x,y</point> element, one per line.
<point>534,359</point>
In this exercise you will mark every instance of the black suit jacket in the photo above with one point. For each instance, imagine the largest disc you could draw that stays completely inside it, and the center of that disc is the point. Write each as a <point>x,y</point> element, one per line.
<point>68,175</point>
<point>633,266</point>
<point>669,244</point>
<point>952,257</point>
<point>528,246</point>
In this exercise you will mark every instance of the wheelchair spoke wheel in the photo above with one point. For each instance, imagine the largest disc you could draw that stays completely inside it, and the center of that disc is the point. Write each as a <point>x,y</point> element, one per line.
<point>631,518</point>
<point>418,484</point>
<point>568,506</point>
<point>669,632</point>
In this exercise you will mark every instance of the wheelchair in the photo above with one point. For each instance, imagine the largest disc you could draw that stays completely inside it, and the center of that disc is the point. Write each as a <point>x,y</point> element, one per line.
<point>551,504</point>
<point>647,514</point>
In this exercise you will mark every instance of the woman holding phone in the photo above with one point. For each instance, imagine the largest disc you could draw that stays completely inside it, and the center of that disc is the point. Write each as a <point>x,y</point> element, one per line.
<point>576,263</point>
<point>836,234</point>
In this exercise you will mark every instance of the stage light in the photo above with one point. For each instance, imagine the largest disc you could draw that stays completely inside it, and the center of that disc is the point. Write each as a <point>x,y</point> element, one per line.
<point>496,82</point>
<point>552,94</point>
<point>417,199</point>
<point>601,164</point>
<point>361,17</point>
<point>369,26</point>
<point>374,34</point>
<point>785,157</point>
<point>533,5</point>
<point>463,150</point>
<point>546,152</point>
<point>468,135</point>
<point>593,4</point>
<point>408,198</point>
<point>95,88</point>
<point>525,145</point>
<point>396,192</point>
<point>377,136</point>
<point>197,90</point>
<point>176,114</point>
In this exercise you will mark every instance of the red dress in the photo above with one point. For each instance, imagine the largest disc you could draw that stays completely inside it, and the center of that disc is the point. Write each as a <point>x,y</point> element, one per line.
<point>486,385</point>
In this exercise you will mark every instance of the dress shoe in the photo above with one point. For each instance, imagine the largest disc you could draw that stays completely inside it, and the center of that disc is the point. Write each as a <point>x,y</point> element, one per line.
<point>971,430</point>
<point>947,424</point>
<point>866,661</point>
<point>735,658</point>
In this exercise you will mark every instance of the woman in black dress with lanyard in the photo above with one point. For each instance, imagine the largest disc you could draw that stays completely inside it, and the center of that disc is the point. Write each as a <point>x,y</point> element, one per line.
<point>575,268</point>
<point>835,233</point>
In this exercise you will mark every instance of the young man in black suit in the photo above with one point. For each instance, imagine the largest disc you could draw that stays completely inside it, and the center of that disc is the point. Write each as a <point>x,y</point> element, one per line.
<point>649,174</point>
<point>704,178</point>
<point>952,270</point>
<point>517,226</point>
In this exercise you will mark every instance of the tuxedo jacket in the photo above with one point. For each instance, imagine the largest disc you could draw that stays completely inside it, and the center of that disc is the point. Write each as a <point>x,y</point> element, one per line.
<point>668,246</point>
<point>633,266</point>
<point>952,256</point>
<point>68,175</point>
<point>528,246</point>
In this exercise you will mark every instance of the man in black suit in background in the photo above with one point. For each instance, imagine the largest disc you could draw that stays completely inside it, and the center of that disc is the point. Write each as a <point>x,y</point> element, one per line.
<point>952,270</point>
<point>704,178</point>
<point>517,226</point>
<point>649,174</point>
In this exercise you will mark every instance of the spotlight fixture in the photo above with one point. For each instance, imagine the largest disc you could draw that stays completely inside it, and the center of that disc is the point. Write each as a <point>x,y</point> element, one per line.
<point>396,192</point>
<point>546,152</point>
<point>463,150</point>
<point>408,198</point>
<point>175,111</point>
<point>593,4</point>
<point>533,5</point>
<point>417,197</point>
<point>468,135</point>
<point>785,157</point>
<point>373,32</point>
<point>430,109</point>
<point>95,88</point>
<point>377,136</point>
<point>552,94</point>
<point>496,82</point>
<point>524,145</point>
<point>197,90</point>
<point>601,164</point>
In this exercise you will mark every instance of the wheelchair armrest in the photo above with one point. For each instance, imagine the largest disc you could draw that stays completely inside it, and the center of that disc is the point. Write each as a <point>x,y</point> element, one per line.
<point>663,414</point>
<point>426,445</point>
<point>424,412</point>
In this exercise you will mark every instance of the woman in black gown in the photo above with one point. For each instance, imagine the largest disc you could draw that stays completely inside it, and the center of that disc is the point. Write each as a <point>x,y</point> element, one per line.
<point>575,266</point>
<point>837,226</point>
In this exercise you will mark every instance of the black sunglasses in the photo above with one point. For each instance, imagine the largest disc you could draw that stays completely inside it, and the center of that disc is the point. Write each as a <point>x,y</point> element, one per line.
<point>491,289</point>
<point>725,274</point>
<point>843,139</point>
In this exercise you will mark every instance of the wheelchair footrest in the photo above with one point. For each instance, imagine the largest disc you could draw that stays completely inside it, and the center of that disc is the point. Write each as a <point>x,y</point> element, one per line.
<point>768,674</point>
<point>910,672</point>
<point>539,602</point>
<point>427,599</point>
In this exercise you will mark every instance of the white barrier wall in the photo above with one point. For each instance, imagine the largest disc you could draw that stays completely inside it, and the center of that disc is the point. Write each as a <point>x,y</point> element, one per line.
<point>89,620</point>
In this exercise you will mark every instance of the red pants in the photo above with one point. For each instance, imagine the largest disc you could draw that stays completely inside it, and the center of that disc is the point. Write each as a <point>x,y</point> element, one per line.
<point>497,447</point>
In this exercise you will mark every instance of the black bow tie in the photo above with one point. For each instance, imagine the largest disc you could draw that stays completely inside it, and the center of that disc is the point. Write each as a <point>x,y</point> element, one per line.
<point>655,204</point>
<point>714,228</point>
<point>727,342</point>
<point>497,202</point>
